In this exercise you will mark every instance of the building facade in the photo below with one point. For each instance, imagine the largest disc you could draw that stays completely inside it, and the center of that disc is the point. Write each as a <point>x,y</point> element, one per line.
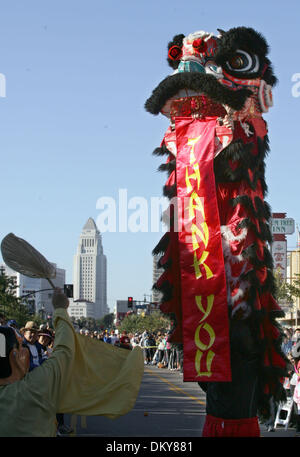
<point>90,270</point>
<point>33,290</point>
<point>120,311</point>
<point>292,311</point>
<point>81,308</point>
<point>157,272</point>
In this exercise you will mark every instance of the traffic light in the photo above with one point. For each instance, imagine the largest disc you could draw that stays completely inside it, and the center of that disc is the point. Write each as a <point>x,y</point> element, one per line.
<point>68,290</point>
<point>129,302</point>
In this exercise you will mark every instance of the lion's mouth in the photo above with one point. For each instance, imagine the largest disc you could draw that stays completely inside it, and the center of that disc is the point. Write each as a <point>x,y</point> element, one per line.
<point>198,106</point>
<point>195,94</point>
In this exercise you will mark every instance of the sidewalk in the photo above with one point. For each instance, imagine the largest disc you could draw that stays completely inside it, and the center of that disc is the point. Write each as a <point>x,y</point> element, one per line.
<point>279,432</point>
<point>175,377</point>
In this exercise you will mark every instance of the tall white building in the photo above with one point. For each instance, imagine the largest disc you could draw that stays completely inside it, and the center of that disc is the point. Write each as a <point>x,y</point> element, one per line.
<point>89,269</point>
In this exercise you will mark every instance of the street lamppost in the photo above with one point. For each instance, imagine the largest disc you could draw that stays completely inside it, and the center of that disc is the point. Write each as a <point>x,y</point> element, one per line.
<point>2,274</point>
<point>42,312</point>
<point>149,303</point>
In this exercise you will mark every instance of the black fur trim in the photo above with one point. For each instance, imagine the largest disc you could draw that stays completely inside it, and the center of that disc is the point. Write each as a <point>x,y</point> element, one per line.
<point>251,41</point>
<point>269,76</point>
<point>166,289</point>
<point>170,191</point>
<point>166,265</point>
<point>277,313</point>
<point>263,145</point>
<point>251,253</point>
<point>163,150</point>
<point>245,38</point>
<point>177,41</point>
<point>268,286</point>
<point>167,218</point>
<point>169,167</point>
<point>261,210</point>
<point>198,82</point>
<point>264,232</point>
<point>237,151</point>
<point>162,245</point>
<point>240,151</point>
<point>264,187</point>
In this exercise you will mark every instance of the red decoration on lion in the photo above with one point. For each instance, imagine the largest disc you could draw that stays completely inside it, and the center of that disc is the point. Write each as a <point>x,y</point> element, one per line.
<point>219,90</point>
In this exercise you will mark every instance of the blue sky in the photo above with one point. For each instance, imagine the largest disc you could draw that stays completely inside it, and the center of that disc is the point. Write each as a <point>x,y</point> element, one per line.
<point>73,126</point>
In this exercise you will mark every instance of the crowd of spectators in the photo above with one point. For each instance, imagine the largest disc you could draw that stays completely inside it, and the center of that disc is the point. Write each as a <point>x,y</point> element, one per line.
<point>158,351</point>
<point>111,337</point>
<point>156,346</point>
<point>39,340</point>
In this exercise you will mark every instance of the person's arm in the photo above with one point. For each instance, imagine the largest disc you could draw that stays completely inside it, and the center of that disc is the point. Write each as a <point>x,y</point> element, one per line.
<point>52,376</point>
<point>64,342</point>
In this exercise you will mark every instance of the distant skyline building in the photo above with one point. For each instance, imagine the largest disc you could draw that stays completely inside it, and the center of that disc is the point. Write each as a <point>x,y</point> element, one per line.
<point>157,272</point>
<point>120,311</point>
<point>90,269</point>
<point>38,302</point>
<point>81,308</point>
<point>292,310</point>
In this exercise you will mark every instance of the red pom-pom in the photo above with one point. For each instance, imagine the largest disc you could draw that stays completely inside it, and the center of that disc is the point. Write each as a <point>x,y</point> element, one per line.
<point>175,53</point>
<point>199,45</point>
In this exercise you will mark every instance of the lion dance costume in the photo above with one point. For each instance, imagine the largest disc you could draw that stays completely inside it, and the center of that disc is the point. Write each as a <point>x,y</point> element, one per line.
<point>217,282</point>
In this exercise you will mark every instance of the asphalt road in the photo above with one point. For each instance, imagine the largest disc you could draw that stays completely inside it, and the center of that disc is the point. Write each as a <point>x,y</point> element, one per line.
<point>166,407</point>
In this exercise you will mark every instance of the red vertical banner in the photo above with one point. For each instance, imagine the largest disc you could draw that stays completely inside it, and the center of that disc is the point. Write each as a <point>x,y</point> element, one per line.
<point>203,284</point>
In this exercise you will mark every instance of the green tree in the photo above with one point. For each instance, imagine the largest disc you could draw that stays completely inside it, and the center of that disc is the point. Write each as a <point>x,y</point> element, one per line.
<point>153,322</point>
<point>91,323</point>
<point>131,323</point>
<point>294,287</point>
<point>82,322</point>
<point>10,305</point>
<point>106,321</point>
<point>94,324</point>
<point>283,290</point>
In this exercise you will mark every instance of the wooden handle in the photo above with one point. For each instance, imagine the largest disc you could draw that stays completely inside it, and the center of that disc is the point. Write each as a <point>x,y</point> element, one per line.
<point>51,283</point>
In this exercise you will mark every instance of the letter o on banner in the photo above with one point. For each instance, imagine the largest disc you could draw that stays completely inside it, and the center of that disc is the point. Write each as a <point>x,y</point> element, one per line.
<point>212,336</point>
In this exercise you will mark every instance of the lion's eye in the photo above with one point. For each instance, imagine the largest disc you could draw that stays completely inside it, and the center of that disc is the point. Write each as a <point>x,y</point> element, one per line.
<point>242,61</point>
<point>237,62</point>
